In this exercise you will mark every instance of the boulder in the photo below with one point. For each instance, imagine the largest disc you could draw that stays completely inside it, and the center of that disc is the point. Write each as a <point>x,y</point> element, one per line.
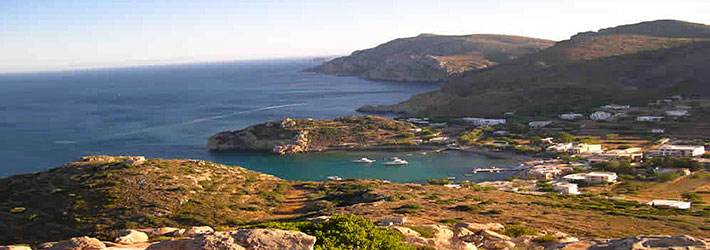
<point>493,240</point>
<point>490,235</point>
<point>440,232</point>
<point>161,231</point>
<point>267,239</point>
<point>407,232</point>
<point>319,219</point>
<point>462,245</point>
<point>128,237</point>
<point>391,221</point>
<point>475,227</point>
<point>15,247</point>
<point>77,243</point>
<point>192,231</point>
<point>216,241</point>
<point>462,232</point>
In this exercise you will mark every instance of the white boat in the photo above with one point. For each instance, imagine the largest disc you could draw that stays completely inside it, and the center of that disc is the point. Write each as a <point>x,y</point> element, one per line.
<point>334,178</point>
<point>396,162</point>
<point>364,160</point>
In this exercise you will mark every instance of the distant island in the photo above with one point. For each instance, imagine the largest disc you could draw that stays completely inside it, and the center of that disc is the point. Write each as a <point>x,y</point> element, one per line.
<point>431,58</point>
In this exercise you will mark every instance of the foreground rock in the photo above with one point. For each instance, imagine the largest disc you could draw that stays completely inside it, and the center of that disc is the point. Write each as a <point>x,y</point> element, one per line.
<point>639,243</point>
<point>200,238</point>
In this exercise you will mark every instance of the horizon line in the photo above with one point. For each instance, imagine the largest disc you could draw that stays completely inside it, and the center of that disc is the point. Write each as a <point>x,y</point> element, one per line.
<point>161,62</point>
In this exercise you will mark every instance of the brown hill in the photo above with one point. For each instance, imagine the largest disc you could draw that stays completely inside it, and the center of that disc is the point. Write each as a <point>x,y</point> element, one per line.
<point>585,71</point>
<point>431,58</point>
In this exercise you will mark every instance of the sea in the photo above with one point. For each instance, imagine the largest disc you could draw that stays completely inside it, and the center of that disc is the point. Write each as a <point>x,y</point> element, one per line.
<point>50,118</point>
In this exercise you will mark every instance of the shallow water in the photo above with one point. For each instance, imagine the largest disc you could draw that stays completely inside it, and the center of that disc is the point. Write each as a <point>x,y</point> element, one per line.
<point>47,119</point>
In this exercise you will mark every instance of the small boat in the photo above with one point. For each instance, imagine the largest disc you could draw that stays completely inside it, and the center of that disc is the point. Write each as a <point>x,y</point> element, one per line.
<point>364,160</point>
<point>451,178</point>
<point>334,178</point>
<point>396,162</point>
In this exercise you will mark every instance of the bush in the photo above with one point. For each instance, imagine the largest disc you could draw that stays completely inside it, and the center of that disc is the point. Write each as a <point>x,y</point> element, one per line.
<point>346,232</point>
<point>691,197</point>
<point>468,208</point>
<point>519,230</point>
<point>408,209</point>
<point>426,232</point>
<point>545,238</point>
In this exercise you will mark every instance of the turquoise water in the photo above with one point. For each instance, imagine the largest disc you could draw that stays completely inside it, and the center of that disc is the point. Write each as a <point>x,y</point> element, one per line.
<point>47,119</point>
<point>318,166</point>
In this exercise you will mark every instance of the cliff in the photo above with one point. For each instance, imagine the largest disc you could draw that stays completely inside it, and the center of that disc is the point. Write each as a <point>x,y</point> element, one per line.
<point>628,64</point>
<point>297,136</point>
<point>431,58</point>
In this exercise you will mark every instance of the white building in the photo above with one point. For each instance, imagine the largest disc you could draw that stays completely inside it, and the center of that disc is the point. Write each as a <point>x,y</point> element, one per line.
<point>484,121</point>
<point>571,116</point>
<point>539,124</point>
<point>670,204</point>
<point>560,147</point>
<point>600,177</point>
<point>566,188</point>
<point>547,172</point>
<point>616,107</point>
<point>658,131</point>
<point>676,113</point>
<point>680,150</point>
<point>683,171</point>
<point>649,118</point>
<point>592,177</point>
<point>586,149</point>
<point>418,121</point>
<point>601,116</point>
<point>632,153</point>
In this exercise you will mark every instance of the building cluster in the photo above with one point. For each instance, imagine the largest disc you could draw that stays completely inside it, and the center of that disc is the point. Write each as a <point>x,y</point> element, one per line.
<point>581,148</point>
<point>484,121</point>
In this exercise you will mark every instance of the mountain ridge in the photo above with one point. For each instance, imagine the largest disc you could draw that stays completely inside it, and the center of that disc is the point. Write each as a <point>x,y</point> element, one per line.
<point>584,71</point>
<point>430,57</point>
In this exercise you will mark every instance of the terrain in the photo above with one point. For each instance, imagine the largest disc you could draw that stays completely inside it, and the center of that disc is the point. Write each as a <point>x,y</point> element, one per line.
<point>431,58</point>
<point>629,64</point>
<point>303,135</point>
<point>100,196</point>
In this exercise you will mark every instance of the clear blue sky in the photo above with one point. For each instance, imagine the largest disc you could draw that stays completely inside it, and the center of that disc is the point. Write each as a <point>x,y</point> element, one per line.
<point>68,34</point>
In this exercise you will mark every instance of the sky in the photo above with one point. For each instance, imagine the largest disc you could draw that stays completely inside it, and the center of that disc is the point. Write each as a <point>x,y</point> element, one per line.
<point>40,35</point>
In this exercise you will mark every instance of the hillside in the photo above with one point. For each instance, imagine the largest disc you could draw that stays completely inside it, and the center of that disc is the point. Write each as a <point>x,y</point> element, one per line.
<point>100,196</point>
<point>585,71</point>
<point>431,58</point>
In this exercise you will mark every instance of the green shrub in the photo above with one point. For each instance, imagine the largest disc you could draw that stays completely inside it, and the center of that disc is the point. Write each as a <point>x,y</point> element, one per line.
<point>345,232</point>
<point>519,230</point>
<point>408,209</point>
<point>426,232</point>
<point>545,238</point>
<point>468,208</point>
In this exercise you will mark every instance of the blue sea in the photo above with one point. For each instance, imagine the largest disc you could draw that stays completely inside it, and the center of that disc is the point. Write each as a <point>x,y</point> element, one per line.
<point>50,118</point>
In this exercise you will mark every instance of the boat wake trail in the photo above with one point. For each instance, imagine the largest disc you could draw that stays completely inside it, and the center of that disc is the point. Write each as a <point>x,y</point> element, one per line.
<point>205,119</point>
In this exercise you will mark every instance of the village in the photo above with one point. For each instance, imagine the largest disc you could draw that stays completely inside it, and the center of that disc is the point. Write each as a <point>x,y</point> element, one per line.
<point>593,152</point>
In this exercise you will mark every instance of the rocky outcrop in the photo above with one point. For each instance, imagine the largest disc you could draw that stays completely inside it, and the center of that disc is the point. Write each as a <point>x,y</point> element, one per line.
<point>638,243</point>
<point>277,136</point>
<point>431,58</point>
<point>290,136</point>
